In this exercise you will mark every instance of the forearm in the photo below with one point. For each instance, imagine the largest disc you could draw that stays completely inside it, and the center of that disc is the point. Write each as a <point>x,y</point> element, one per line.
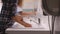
<point>20,21</point>
<point>27,13</point>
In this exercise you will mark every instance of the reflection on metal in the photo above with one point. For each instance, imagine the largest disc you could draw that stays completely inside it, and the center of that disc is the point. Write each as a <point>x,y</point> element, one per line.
<point>35,21</point>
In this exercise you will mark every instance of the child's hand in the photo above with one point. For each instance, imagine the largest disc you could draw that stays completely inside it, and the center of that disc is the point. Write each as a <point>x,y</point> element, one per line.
<point>34,13</point>
<point>28,25</point>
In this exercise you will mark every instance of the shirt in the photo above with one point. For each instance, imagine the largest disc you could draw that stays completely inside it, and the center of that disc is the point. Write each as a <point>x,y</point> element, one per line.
<point>8,10</point>
<point>19,9</point>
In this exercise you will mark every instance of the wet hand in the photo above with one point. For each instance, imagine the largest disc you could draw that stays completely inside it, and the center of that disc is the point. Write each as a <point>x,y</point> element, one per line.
<point>28,25</point>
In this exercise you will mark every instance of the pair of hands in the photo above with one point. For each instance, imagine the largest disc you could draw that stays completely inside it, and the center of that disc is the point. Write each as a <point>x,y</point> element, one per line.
<point>19,19</point>
<point>27,14</point>
<point>29,25</point>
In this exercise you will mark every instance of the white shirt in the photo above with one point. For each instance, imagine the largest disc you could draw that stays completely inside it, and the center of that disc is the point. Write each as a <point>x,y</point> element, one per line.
<point>19,9</point>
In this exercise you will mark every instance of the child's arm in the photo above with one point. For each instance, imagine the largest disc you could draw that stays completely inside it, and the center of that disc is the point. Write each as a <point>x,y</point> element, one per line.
<point>20,21</point>
<point>27,13</point>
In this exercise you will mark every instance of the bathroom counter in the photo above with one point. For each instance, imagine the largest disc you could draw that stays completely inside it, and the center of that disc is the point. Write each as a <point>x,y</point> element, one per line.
<point>26,29</point>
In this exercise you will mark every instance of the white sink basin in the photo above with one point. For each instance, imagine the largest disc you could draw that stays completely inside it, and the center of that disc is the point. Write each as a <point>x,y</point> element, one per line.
<point>35,27</point>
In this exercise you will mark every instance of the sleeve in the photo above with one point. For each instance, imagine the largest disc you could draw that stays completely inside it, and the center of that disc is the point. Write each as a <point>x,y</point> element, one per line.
<point>19,9</point>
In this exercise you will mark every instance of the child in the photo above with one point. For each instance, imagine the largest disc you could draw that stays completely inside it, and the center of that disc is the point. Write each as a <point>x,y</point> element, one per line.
<point>20,13</point>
